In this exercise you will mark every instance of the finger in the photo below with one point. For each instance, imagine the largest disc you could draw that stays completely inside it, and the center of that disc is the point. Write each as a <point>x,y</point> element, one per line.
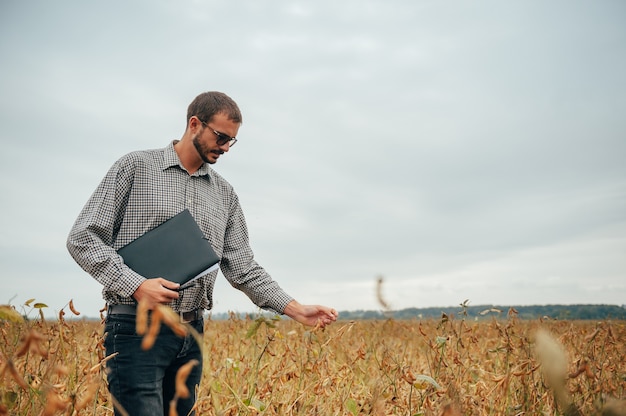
<point>170,294</point>
<point>169,285</point>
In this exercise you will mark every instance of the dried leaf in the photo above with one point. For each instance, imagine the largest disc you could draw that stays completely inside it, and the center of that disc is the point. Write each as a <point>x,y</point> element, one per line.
<point>8,313</point>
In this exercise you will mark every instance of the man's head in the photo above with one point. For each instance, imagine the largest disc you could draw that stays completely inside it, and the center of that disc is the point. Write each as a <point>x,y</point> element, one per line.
<point>213,120</point>
<point>206,105</point>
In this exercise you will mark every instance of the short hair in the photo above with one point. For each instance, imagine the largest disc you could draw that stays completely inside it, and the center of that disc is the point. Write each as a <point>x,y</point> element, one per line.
<point>210,103</point>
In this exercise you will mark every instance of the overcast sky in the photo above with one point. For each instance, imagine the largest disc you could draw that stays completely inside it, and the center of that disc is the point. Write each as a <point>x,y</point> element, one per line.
<point>462,150</point>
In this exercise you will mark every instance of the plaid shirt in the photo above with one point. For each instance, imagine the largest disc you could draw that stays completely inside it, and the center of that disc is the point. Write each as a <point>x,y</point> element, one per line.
<point>142,190</point>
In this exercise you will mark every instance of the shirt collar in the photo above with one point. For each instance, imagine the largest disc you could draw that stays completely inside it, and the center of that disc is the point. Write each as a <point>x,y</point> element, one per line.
<point>170,158</point>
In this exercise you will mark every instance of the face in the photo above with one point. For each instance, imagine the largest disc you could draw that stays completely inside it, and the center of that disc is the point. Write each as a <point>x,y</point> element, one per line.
<point>205,140</point>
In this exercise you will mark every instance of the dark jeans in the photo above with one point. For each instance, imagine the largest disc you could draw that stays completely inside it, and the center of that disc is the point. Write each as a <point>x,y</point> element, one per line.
<point>143,382</point>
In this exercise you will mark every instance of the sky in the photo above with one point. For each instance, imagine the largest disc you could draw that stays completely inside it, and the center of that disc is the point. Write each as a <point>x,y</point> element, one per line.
<point>460,150</point>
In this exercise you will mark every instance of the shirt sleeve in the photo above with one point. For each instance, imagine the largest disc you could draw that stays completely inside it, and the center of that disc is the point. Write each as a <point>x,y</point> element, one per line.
<point>242,271</point>
<point>90,241</point>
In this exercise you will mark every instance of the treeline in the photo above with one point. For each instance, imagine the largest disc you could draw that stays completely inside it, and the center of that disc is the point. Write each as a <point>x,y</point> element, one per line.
<point>560,312</point>
<point>480,312</point>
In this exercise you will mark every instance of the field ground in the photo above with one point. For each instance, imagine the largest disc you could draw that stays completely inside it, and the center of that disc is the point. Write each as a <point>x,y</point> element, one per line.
<point>448,366</point>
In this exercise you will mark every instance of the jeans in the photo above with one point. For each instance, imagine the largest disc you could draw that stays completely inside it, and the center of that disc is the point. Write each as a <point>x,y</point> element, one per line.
<point>143,382</point>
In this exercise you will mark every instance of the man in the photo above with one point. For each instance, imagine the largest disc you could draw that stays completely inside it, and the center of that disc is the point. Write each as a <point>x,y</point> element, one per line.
<point>140,191</point>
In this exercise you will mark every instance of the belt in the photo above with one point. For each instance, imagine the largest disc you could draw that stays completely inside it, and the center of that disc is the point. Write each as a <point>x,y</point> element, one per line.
<point>185,317</point>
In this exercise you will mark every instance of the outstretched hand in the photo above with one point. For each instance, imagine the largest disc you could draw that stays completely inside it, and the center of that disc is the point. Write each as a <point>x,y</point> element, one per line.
<point>311,315</point>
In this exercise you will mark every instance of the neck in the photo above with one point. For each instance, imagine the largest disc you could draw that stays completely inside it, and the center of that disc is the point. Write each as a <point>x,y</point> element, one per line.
<point>188,155</point>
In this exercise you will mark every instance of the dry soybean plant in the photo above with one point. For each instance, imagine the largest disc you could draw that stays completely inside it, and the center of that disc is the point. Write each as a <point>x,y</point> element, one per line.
<point>494,364</point>
<point>49,368</point>
<point>450,366</point>
<point>58,367</point>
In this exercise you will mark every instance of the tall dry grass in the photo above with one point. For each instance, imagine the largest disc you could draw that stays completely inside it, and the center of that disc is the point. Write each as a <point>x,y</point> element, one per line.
<point>261,366</point>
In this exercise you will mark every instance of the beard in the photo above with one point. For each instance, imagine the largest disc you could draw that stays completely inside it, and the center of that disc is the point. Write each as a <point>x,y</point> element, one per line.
<point>203,150</point>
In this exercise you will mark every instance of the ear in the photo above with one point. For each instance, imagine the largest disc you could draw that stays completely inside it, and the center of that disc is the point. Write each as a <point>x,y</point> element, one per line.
<point>194,124</point>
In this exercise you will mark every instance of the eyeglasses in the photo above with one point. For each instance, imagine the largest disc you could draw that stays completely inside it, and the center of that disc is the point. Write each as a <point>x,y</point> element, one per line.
<point>222,138</point>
